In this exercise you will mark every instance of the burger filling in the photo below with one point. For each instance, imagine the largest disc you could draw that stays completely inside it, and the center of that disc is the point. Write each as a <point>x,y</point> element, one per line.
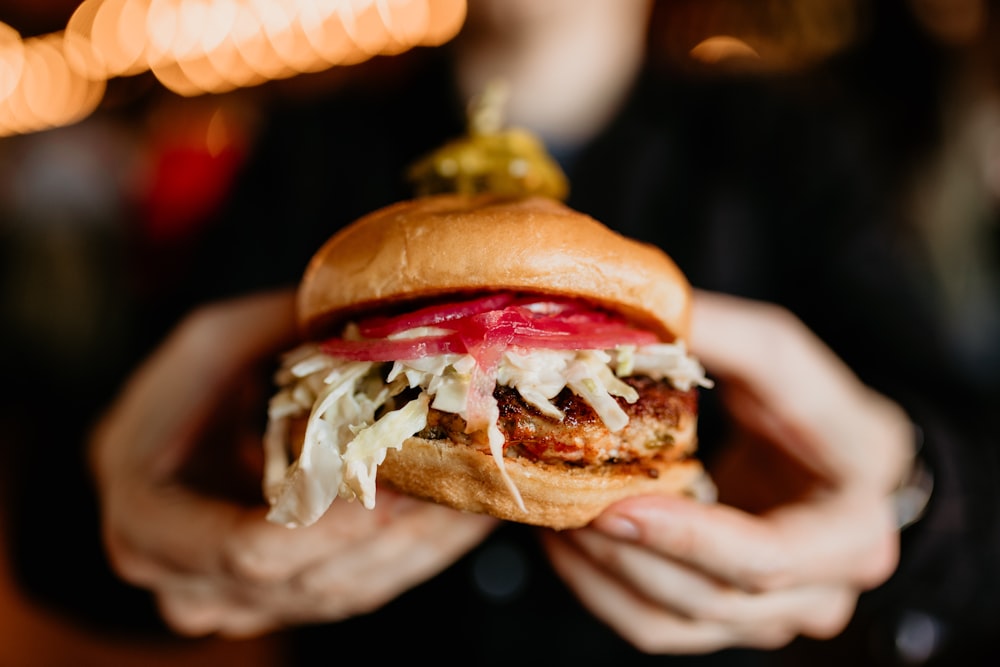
<point>550,380</point>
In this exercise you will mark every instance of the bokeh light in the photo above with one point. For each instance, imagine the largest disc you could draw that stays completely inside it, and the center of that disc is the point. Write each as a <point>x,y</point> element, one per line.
<point>197,47</point>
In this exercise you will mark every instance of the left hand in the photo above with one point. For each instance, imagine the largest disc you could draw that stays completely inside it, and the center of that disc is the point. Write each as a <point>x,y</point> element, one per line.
<point>805,521</point>
<point>169,455</point>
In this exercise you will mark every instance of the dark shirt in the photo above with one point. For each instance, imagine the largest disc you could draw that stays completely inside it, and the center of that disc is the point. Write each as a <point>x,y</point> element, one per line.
<point>768,188</point>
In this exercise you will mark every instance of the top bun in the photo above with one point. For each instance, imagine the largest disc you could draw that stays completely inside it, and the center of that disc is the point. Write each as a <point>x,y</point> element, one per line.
<point>454,244</point>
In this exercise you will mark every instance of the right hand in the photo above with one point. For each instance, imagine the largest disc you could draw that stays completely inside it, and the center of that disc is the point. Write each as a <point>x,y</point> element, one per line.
<point>805,521</point>
<point>215,564</point>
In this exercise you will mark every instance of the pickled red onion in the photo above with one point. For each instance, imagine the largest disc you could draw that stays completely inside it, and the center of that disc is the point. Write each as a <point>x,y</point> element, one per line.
<point>377,327</point>
<point>486,326</point>
<point>388,349</point>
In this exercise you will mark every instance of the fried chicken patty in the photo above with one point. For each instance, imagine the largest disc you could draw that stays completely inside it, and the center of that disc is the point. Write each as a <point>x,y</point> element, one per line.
<point>661,425</point>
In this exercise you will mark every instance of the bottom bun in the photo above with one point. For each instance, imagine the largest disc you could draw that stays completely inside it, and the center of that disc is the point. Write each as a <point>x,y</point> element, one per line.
<point>555,496</point>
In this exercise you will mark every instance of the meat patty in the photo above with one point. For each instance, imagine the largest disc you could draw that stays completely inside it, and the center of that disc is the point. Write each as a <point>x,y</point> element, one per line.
<point>661,425</point>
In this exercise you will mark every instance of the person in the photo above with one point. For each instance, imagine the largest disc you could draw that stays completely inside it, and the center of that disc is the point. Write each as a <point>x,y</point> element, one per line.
<point>220,566</point>
<point>758,193</point>
<point>666,574</point>
<point>662,576</point>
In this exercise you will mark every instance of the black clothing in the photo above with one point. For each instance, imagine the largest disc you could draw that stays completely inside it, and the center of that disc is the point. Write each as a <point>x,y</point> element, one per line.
<point>771,188</point>
<point>757,188</point>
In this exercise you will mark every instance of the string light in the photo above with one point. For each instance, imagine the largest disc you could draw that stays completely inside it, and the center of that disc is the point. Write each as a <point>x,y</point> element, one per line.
<point>46,92</point>
<point>197,47</point>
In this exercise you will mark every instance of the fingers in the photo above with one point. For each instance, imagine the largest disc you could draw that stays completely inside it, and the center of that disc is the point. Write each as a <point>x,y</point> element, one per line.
<point>346,572</point>
<point>829,542</point>
<point>415,546</point>
<point>216,565</point>
<point>194,534</point>
<point>172,532</point>
<point>671,574</point>
<point>786,385</point>
<point>350,538</point>
<point>682,611</point>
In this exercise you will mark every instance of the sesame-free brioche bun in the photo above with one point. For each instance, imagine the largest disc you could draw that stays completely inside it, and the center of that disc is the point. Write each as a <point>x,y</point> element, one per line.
<point>554,495</point>
<point>448,244</point>
<point>445,246</point>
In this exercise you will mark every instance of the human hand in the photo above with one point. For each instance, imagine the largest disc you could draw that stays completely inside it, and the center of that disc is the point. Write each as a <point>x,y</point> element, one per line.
<point>186,424</point>
<point>805,521</point>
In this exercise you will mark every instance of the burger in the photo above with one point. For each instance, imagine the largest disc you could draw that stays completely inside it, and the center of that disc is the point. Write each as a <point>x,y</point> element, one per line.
<point>496,354</point>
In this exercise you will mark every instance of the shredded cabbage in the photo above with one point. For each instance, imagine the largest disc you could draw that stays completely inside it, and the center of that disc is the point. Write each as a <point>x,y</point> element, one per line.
<point>591,378</point>
<point>669,361</point>
<point>345,442</point>
<point>368,448</point>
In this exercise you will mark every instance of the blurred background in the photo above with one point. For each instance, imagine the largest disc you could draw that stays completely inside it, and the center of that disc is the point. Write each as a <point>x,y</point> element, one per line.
<point>129,129</point>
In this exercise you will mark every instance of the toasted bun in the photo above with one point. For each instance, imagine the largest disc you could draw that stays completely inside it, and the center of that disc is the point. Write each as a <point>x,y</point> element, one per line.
<point>447,244</point>
<point>442,245</point>
<point>555,496</point>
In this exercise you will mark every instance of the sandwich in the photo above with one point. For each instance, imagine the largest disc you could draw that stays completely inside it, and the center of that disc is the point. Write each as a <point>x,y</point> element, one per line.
<point>505,355</point>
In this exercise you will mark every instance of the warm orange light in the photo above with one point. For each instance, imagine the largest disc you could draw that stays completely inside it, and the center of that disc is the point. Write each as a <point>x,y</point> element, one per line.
<point>367,27</point>
<point>719,48</point>
<point>406,21</point>
<point>131,38</point>
<point>174,78</point>
<point>193,18</point>
<point>46,82</point>
<point>287,37</point>
<point>234,70</point>
<point>162,18</point>
<point>11,59</point>
<point>256,48</point>
<point>204,75</point>
<point>195,47</point>
<point>327,34</point>
<point>119,51</point>
<point>78,45</point>
<point>776,35</point>
<point>49,92</point>
<point>220,18</point>
<point>445,19</point>
<point>12,116</point>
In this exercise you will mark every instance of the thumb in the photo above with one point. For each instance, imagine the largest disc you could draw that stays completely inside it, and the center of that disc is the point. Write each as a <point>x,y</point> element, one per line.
<point>785,384</point>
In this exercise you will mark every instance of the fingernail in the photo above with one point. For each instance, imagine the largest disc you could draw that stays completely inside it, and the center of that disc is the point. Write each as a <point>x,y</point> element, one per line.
<point>618,525</point>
